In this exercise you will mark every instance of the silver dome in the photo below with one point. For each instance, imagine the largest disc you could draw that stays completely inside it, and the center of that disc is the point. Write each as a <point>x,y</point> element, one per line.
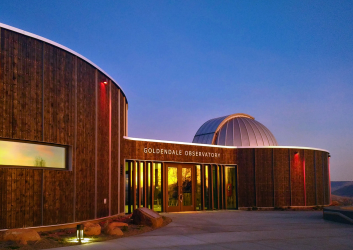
<point>235,130</point>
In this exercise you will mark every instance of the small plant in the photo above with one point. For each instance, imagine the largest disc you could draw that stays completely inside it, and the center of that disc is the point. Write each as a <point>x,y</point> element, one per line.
<point>125,228</point>
<point>255,208</point>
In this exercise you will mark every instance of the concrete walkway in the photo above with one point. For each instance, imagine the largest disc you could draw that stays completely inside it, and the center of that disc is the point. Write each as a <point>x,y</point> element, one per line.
<point>239,230</point>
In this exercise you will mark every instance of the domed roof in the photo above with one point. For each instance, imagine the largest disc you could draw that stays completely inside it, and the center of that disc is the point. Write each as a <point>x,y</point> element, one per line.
<point>235,130</point>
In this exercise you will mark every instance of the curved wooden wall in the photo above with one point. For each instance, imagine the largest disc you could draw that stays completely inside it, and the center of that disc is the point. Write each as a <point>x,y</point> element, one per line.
<point>278,177</point>
<point>50,95</point>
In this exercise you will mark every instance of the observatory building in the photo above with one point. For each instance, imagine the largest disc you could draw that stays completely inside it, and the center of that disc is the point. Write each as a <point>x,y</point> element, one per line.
<point>65,154</point>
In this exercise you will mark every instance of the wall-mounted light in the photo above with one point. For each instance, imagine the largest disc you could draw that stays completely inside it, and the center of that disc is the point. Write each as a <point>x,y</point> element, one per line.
<point>296,153</point>
<point>79,232</point>
<point>329,156</point>
<point>105,82</point>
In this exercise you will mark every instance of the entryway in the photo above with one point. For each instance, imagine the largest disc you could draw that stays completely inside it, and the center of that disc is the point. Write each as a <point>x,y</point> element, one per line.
<point>180,187</point>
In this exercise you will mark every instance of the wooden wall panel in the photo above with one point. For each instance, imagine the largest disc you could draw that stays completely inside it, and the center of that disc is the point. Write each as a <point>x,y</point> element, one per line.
<point>19,199</point>
<point>85,146</point>
<point>103,147</point>
<point>281,178</point>
<point>21,108</point>
<point>85,153</point>
<point>37,197</point>
<point>297,177</point>
<point>327,184</point>
<point>59,127</point>
<point>123,109</point>
<point>319,178</point>
<point>264,177</point>
<point>310,178</point>
<point>21,64</point>
<point>3,200</point>
<point>115,140</point>
<point>246,172</point>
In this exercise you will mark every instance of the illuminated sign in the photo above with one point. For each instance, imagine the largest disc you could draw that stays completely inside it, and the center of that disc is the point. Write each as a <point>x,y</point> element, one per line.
<point>180,152</point>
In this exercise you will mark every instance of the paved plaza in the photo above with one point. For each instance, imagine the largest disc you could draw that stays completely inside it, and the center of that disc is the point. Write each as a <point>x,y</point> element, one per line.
<point>239,230</point>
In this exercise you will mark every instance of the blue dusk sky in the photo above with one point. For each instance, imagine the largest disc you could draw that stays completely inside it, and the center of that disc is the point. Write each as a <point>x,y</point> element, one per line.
<point>289,64</point>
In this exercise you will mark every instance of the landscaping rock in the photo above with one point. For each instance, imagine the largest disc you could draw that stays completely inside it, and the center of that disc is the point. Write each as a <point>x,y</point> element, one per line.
<point>91,229</point>
<point>20,235</point>
<point>145,216</point>
<point>113,228</point>
<point>115,231</point>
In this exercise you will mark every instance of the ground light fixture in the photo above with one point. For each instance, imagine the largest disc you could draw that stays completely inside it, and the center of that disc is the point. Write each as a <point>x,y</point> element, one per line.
<point>79,232</point>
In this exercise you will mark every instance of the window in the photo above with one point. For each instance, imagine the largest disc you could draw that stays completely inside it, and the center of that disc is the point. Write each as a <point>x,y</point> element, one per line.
<point>36,155</point>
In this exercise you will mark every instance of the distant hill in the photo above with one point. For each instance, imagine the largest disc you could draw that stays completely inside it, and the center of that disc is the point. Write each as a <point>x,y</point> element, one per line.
<point>342,188</point>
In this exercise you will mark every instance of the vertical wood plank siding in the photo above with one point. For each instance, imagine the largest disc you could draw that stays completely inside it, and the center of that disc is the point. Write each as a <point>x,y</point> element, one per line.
<point>103,147</point>
<point>327,184</point>
<point>122,123</point>
<point>59,122</point>
<point>85,147</point>
<point>310,177</point>
<point>21,108</point>
<point>264,178</point>
<point>28,113</point>
<point>246,171</point>
<point>281,178</point>
<point>114,151</point>
<point>297,177</point>
<point>319,179</point>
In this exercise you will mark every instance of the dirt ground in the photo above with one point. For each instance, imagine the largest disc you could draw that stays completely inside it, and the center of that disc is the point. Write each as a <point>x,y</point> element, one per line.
<point>347,208</point>
<point>66,237</point>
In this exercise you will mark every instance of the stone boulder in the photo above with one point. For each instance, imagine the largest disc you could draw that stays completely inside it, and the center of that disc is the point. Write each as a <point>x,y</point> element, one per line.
<point>145,216</point>
<point>114,228</point>
<point>20,235</point>
<point>91,229</point>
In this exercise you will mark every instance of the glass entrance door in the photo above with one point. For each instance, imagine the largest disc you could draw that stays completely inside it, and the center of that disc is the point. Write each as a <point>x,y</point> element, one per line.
<point>180,188</point>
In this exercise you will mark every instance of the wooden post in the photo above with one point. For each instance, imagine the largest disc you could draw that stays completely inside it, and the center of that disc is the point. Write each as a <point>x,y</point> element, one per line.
<point>152,186</point>
<point>134,174</point>
<point>202,187</point>
<point>210,181</point>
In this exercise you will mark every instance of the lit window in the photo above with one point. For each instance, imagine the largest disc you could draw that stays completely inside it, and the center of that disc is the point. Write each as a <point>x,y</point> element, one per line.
<point>24,154</point>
